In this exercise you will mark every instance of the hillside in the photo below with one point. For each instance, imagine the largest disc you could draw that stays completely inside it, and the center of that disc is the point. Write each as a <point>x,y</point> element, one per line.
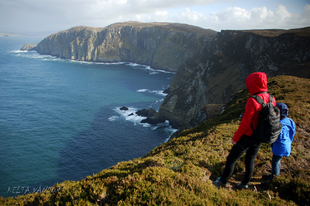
<point>180,171</point>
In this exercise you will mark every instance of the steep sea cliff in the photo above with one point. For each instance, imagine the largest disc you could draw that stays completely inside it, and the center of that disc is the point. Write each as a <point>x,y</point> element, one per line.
<point>210,66</point>
<point>159,45</point>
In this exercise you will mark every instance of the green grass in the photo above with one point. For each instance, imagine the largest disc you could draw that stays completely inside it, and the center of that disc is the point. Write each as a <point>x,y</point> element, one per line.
<point>180,172</point>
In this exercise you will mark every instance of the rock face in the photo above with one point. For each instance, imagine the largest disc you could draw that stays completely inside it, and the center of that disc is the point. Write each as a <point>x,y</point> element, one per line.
<point>212,76</point>
<point>210,66</point>
<point>159,45</point>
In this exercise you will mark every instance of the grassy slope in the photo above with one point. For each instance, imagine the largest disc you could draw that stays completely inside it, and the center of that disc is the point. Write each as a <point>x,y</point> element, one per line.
<point>180,171</point>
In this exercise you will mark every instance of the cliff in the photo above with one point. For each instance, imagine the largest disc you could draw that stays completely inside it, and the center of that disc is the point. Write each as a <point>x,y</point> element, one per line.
<point>212,76</point>
<point>180,172</point>
<point>210,66</point>
<point>159,45</point>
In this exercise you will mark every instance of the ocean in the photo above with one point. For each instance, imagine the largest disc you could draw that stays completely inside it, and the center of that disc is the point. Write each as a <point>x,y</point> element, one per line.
<point>61,119</point>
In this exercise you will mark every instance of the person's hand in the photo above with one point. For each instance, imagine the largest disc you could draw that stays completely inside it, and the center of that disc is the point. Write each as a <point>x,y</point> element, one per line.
<point>233,142</point>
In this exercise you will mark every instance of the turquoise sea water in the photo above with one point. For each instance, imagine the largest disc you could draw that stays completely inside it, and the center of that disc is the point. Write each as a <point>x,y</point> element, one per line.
<point>60,119</point>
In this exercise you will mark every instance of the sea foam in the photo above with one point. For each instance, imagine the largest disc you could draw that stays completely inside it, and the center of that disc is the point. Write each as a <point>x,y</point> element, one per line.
<point>130,115</point>
<point>157,92</point>
<point>35,54</point>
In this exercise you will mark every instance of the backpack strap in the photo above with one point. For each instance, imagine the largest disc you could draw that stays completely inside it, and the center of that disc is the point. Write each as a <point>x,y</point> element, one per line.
<point>270,98</point>
<point>261,102</point>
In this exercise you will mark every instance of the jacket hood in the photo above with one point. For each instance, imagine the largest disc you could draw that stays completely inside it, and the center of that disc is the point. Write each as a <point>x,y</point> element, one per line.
<point>283,110</point>
<point>257,82</point>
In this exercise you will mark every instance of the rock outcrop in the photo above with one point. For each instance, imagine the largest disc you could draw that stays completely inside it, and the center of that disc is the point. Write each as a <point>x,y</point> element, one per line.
<point>210,66</point>
<point>28,47</point>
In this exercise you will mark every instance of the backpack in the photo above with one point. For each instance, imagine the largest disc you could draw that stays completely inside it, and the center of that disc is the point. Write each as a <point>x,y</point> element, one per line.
<point>269,126</point>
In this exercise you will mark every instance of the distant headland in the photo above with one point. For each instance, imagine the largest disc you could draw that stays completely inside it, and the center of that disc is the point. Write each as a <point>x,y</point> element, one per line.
<point>3,34</point>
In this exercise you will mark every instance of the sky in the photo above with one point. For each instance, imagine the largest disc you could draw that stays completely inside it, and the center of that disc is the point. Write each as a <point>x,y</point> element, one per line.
<point>51,16</point>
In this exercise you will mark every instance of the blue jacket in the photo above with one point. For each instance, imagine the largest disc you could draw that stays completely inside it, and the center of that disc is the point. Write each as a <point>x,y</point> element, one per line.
<point>282,147</point>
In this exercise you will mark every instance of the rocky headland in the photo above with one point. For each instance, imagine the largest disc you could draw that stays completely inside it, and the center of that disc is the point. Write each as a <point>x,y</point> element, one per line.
<point>210,66</point>
<point>29,47</point>
<point>159,45</point>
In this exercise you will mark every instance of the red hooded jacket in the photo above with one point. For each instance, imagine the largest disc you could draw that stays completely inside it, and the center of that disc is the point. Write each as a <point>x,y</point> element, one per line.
<point>255,82</point>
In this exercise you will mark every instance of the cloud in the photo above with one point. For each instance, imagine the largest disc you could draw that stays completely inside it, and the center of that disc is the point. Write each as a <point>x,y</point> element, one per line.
<point>240,18</point>
<point>192,15</point>
<point>56,15</point>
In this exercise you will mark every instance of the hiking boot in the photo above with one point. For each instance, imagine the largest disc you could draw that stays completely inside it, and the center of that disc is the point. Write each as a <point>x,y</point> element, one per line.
<point>267,177</point>
<point>218,183</point>
<point>266,184</point>
<point>240,186</point>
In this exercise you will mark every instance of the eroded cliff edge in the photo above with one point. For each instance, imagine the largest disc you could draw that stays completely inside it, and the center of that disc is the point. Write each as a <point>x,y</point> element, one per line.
<point>210,66</point>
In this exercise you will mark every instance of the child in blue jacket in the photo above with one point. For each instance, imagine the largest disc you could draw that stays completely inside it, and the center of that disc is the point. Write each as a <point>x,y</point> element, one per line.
<point>282,147</point>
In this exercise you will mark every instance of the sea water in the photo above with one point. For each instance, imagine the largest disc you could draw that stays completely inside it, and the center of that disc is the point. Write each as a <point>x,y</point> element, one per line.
<point>61,119</point>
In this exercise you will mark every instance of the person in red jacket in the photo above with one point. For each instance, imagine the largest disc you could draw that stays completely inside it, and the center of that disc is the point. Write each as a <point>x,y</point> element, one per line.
<point>243,140</point>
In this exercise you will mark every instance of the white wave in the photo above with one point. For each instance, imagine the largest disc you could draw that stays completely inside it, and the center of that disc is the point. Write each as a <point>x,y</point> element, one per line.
<point>111,63</point>
<point>20,51</point>
<point>166,127</point>
<point>101,63</point>
<point>140,66</point>
<point>79,62</point>
<point>145,67</point>
<point>113,118</point>
<point>34,55</point>
<point>130,115</point>
<point>164,124</point>
<point>170,131</point>
<point>142,90</point>
<point>24,52</point>
<point>158,92</point>
<point>156,71</point>
<point>133,64</point>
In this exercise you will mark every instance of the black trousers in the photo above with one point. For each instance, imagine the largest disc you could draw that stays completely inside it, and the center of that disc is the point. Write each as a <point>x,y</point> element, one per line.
<point>245,144</point>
